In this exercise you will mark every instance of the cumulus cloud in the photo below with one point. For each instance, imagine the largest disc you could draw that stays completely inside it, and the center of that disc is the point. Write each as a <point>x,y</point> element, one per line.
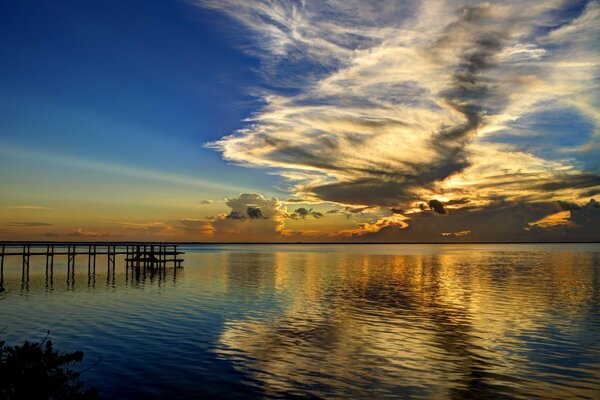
<point>392,107</point>
<point>251,217</point>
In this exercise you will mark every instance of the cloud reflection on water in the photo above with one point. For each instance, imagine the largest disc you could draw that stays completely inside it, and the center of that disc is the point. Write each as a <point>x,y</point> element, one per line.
<point>477,325</point>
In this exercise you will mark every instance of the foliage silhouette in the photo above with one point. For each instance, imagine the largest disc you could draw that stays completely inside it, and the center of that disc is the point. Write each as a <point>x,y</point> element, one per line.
<point>37,371</point>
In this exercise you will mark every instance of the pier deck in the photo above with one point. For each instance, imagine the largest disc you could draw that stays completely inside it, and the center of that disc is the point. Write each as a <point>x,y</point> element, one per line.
<point>138,255</point>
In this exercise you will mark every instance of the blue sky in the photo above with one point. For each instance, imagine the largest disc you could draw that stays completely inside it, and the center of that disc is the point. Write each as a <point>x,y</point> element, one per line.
<point>136,83</point>
<point>290,120</point>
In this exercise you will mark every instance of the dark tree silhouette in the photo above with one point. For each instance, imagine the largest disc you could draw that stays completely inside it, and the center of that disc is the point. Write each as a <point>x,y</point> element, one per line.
<point>37,371</point>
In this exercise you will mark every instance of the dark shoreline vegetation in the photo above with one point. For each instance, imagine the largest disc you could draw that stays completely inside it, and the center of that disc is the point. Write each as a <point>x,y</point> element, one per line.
<point>37,371</point>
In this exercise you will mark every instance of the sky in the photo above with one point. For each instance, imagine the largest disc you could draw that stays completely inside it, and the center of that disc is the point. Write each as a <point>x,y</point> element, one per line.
<point>353,121</point>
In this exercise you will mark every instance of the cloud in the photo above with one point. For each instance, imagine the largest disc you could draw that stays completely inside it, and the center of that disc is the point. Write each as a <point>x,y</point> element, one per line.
<point>30,207</point>
<point>26,224</point>
<point>254,212</point>
<point>152,227</point>
<point>498,221</point>
<point>295,200</point>
<point>81,233</point>
<point>437,206</point>
<point>302,213</point>
<point>196,226</point>
<point>317,214</point>
<point>395,221</point>
<point>252,217</point>
<point>568,206</point>
<point>456,234</point>
<point>395,103</point>
<point>90,233</point>
<point>205,202</point>
<point>349,211</point>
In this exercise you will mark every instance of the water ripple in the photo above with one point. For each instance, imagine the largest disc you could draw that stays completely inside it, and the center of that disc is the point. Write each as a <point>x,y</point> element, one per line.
<point>493,321</point>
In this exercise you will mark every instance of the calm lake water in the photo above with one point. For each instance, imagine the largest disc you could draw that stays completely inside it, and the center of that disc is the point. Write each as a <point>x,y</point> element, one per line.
<point>326,321</point>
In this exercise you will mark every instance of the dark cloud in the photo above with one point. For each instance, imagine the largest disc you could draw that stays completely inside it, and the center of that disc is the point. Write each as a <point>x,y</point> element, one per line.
<point>350,211</point>
<point>457,202</point>
<point>302,213</point>
<point>295,200</point>
<point>437,206</point>
<point>583,181</point>
<point>368,190</point>
<point>254,213</point>
<point>470,92</point>
<point>568,206</point>
<point>205,202</point>
<point>396,210</point>
<point>332,211</point>
<point>497,222</point>
<point>235,215</point>
<point>317,214</point>
<point>584,223</point>
<point>590,193</point>
<point>501,221</point>
<point>455,234</point>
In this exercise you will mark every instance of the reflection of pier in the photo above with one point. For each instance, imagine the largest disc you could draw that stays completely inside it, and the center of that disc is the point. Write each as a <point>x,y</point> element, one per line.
<point>140,257</point>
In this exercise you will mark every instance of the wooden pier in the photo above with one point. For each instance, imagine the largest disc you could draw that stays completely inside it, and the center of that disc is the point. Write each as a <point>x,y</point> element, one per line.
<point>152,256</point>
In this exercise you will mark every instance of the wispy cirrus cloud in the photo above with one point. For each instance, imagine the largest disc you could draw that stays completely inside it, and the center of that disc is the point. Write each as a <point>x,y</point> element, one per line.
<point>81,233</point>
<point>392,107</point>
<point>26,224</point>
<point>29,207</point>
<point>155,227</point>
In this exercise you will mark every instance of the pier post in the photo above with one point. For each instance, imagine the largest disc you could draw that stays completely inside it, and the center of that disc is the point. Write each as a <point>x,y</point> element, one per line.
<point>68,260</point>
<point>47,258</point>
<point>2,270</point>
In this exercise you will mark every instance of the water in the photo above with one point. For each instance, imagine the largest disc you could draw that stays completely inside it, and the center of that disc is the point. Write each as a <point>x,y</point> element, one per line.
<point>325,321</point>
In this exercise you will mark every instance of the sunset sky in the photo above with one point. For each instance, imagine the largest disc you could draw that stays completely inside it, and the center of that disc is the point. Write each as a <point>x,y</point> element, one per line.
<point>340,120</point>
